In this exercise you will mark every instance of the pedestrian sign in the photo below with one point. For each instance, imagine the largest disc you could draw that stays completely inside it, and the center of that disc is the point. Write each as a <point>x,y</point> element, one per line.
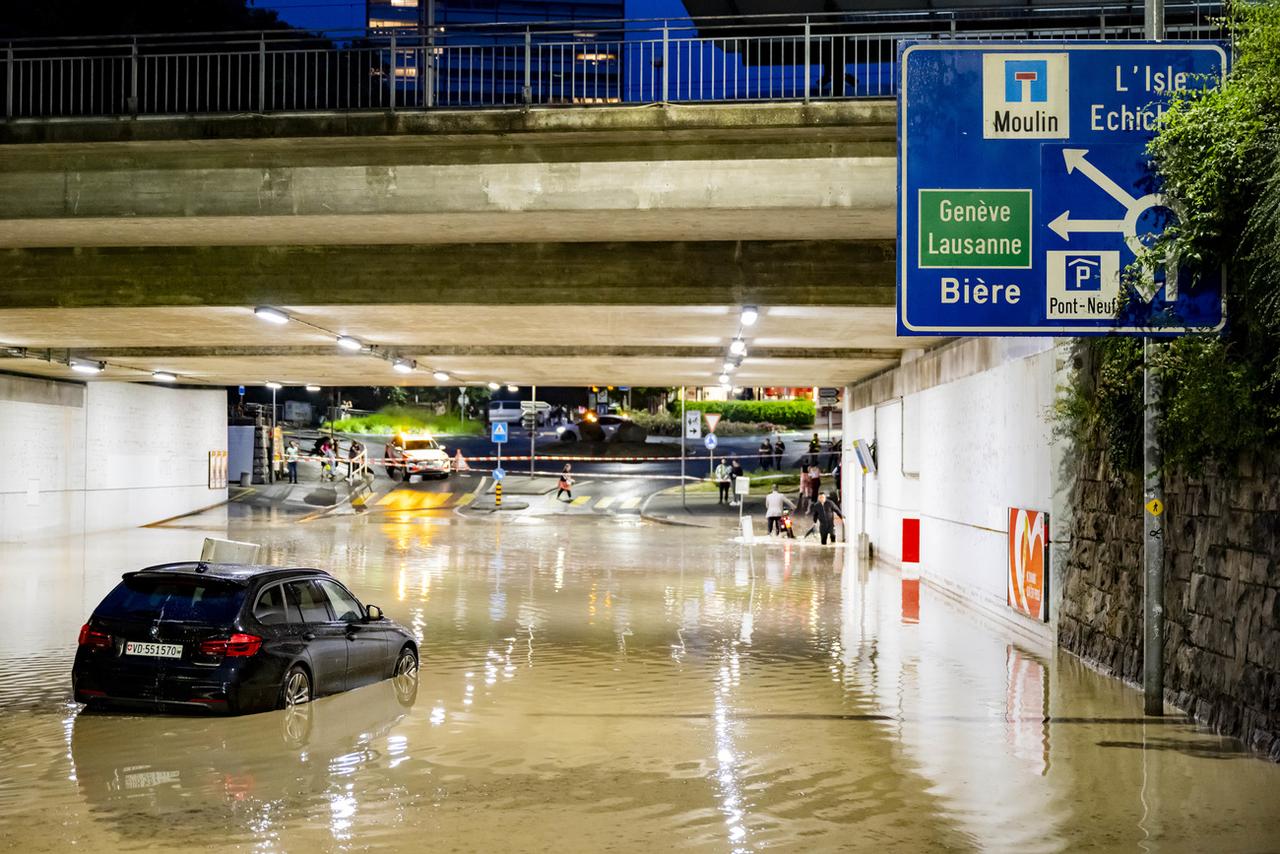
<point>499,473</point>
<point>498,432</point>
<point>693,424</point>
<point>710,441</point>
<point>1025,193</point>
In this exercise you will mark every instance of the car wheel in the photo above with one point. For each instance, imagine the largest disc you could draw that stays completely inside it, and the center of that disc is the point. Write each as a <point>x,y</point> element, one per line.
<point>392,472</point>
<point>566,436</point>
<point>404,677</point>
<point>296,688</point>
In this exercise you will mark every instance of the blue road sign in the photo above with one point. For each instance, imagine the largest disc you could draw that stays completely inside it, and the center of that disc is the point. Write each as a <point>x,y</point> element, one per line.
<point>1024,190</point>
<point>499,473</point>
<point>498,432</point>
<point>242,391</point>
<point>710,441</point>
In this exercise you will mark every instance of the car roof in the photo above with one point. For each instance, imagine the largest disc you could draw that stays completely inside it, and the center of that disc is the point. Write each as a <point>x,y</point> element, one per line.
<point>240,573</point>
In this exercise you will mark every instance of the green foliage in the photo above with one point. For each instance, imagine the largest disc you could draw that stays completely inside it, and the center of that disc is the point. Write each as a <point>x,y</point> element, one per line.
<point>390,419</point>
<point>784,413</point>
<point>1218,156</point>
<point>667,424</point>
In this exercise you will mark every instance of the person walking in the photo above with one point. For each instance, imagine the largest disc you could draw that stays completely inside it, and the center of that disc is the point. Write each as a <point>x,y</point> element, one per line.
<point>815,482</point>
<point>291,460</point>
<point>815,449</point>
<point>802,497</point>
<point>721,475</point>
<point>565,486</point>
<point>354,452</point>
<point>766,454</point>
<point>775,504</point>
<point>735,472</point>
<point>778,450</point>
<point>825,512</point>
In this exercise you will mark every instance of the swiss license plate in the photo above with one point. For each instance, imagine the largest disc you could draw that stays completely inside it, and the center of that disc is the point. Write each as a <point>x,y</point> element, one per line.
<point>156,650</point>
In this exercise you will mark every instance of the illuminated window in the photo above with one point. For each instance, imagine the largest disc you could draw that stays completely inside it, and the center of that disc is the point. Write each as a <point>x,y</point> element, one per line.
<point>405,4</point>
<point>406,72</point>
<point>388,24</point>
<point>596,57</point>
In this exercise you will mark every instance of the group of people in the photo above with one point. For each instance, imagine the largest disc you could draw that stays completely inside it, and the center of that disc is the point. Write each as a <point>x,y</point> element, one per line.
<point>326,450</point>
<point>726,475</point>
<point>771,450</point>
<point>823,510</point>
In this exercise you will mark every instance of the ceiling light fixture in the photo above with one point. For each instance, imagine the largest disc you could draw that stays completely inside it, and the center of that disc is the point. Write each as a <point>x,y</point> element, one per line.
<point>82,367</point>
<point>346,342</point>
<point>749,315</point>
<point>513,388</point>
<point>271,315</point>
<point>404,366</point>
<point>441,376</point>
<point>724,379</point>
<point>163,377</point>
<point>728,366</point>
<point>738,347</point>
<point>313,388</point>
<point>274,386</point>
<point>494,386</point>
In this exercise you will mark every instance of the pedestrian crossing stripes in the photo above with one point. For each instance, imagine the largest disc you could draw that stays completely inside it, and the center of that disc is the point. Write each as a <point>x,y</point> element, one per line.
<point>409,500</point>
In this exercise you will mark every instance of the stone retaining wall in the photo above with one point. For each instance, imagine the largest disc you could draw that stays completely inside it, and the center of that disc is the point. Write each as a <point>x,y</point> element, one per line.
<point>1222,590</point>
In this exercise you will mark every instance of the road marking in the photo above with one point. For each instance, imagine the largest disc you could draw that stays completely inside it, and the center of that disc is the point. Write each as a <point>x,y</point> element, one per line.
<point>606,501</point>
<point>465,500</point>
<point>580,500</point>
<point>631,503</point>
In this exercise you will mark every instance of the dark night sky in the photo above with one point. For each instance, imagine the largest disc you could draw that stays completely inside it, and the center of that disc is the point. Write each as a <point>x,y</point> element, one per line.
<point>349,14</point>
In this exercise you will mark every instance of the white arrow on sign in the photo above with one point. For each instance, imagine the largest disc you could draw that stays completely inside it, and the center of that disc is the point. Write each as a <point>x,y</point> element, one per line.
<point>1064,225</point>
<point>1075,159</point>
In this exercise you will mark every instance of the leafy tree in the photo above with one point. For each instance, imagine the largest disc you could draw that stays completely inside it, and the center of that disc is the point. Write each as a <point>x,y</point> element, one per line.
<point>1218,157</point>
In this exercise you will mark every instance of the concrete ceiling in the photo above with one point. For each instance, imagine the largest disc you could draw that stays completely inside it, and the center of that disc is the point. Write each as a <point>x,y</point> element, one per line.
<point>546,344</point>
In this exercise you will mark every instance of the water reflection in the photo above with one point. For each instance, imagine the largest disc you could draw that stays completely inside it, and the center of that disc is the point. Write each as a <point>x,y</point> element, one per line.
<point>238,772</point>
<point>591,686</point>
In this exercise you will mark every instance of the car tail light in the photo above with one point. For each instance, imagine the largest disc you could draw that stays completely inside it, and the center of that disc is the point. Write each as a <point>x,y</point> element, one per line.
<point>238,645</point>
<point>94,638</point>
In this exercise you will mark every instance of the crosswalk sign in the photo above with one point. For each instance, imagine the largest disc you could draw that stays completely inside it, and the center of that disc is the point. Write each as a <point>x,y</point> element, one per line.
<point>498,432</point>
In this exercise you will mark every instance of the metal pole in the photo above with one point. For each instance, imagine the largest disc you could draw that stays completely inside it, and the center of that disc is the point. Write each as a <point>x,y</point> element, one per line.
<point>8,84</point>
<point>391,76</point>
<point>1154,20</point>
<point>431,53</point>
<point>133,79</point>
<point>683,503</point>
<point>262,73</point>
<point>271,441</point>
<point>528,57</point>
<point>808,71</point>
<point>666,42</point>
<point>1153,538</point>
<point>533,429</point>
<point>1153,492</point>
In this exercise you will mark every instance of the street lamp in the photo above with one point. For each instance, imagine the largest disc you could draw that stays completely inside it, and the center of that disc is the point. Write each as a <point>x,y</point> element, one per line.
<point>271,315</point>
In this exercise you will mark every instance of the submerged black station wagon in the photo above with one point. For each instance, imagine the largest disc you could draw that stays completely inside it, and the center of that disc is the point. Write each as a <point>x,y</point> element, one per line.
<point>233,638</point>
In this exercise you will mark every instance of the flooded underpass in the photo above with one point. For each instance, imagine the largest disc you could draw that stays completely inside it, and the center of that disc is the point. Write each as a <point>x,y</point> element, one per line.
<point>598,684</point>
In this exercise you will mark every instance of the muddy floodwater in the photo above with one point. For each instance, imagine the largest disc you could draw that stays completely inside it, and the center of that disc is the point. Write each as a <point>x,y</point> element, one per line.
<point>600,685</point>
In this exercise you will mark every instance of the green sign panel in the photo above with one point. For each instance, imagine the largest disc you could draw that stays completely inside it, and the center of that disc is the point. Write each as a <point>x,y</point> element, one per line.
<point>975,228</point>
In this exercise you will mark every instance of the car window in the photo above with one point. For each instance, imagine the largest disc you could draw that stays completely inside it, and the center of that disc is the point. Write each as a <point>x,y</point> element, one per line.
<point>270,608</point>
<point>344,604</point>
<point>421,445</point>
<point>204,600</point>
<point>309,601</point>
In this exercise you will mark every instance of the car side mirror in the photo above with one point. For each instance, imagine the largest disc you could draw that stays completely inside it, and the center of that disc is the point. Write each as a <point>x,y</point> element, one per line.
<point>372,612</point>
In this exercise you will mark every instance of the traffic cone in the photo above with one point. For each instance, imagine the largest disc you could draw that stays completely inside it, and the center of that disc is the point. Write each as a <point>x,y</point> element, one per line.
<point>460,462</point>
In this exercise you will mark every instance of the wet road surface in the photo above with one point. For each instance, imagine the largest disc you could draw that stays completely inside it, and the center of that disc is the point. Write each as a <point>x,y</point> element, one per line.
<point>594,683</point>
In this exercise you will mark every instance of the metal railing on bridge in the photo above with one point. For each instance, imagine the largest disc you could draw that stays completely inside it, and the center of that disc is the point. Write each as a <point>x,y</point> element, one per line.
<point>748,58</point>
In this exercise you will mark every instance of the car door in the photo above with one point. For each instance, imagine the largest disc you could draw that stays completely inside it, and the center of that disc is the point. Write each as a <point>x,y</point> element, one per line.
<point>366,641</point>
<point>325,638</point>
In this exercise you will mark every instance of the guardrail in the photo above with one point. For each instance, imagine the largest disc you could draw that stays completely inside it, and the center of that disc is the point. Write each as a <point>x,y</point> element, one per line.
<point>757,58</point>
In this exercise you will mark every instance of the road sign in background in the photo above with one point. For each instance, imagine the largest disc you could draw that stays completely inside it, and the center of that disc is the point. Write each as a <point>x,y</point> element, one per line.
<point>693,424</point>
<point>713,421</point>
<point>498,432</point>
<point>710,441</point>
<point>1025,191</point>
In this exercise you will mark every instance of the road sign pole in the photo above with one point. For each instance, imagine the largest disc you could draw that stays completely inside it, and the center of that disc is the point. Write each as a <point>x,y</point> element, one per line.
<point>1153,489</point>
<point>683,430</point>
<point>1153,538</point>
<point>533,431</point>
